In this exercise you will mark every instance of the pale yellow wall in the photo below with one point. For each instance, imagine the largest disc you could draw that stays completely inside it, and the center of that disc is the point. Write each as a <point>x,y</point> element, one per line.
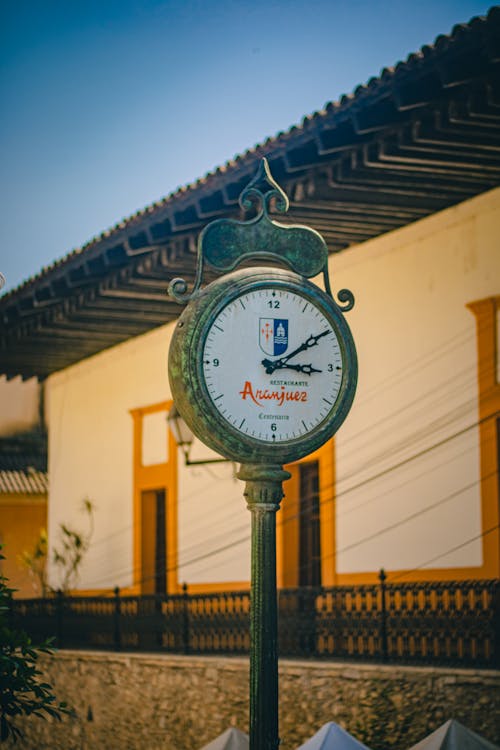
<point>154,445</point>
<point>214,525</point>
<point>18,404</point>
<point>90,447</point>
<point>90,455</point>
<point>417,387</point>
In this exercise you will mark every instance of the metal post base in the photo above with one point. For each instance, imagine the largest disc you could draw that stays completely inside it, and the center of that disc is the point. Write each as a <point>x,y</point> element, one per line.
<point>263,492</point>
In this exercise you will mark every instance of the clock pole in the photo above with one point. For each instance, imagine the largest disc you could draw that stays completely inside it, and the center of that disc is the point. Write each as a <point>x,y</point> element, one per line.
<point>216,362</point>
<point>263,493</point>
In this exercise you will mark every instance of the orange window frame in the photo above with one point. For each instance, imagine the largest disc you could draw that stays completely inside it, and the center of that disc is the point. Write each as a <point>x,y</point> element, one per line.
<point>157,476</point>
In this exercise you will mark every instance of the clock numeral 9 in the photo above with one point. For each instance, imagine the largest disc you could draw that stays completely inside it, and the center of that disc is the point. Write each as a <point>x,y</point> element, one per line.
<point>215,362</point>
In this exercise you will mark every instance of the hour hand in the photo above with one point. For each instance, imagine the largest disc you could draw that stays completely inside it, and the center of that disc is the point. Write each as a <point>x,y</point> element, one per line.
<point>281,365</point>
<point>306,369</point>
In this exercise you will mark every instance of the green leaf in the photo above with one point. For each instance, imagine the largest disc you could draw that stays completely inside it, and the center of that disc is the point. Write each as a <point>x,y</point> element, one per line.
<point>21,692</point>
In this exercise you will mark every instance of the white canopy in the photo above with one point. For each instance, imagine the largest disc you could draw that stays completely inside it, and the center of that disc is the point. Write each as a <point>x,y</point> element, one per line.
<point>231,739</point>
<point>454,736</point>
<point>332,737</point>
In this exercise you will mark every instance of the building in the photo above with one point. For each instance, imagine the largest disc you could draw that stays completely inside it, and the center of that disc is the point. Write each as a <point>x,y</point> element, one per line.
<point>23,478</point>
<point>402,180</point>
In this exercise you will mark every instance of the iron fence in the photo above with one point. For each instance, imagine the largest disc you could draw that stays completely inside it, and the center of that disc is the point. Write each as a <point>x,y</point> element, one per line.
<point>448,623</point>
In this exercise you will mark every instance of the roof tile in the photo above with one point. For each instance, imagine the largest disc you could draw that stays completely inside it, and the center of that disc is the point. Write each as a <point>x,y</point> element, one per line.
<point>25,482</point>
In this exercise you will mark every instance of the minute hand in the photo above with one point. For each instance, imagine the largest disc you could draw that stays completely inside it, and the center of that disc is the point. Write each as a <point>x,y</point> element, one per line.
<point>272,365</point>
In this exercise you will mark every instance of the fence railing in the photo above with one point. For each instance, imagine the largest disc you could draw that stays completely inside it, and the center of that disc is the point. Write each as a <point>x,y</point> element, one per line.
<point>452,622</point>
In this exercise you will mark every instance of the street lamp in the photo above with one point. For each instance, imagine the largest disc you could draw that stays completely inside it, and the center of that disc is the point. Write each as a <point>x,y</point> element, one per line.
<point>184,438</point>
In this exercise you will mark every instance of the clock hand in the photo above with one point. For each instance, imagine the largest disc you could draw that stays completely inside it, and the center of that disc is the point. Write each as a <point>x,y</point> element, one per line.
<point>272,365</point>
<point>306,369</point>
<point>311,341</point>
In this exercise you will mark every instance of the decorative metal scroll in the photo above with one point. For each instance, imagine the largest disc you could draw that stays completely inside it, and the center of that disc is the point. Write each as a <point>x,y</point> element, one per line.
<point>226,243</point>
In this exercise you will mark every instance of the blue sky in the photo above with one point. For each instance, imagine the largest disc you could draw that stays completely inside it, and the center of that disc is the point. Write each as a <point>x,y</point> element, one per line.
<point>109,105</point>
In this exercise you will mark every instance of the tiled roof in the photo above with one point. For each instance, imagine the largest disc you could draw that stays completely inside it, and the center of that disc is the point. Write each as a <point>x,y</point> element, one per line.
<point>26,482</point>
<point>421,136</point>
<point>23,463</point>
<point>390,77</point>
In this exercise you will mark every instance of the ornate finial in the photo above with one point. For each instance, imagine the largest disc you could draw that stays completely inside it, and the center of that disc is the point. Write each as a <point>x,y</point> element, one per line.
<point>262,189</point>
<point>225,243</point>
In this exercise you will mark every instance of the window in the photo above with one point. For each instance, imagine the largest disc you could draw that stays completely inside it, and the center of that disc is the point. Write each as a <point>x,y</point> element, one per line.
<point>153,542</point>
<point>155,501</point>
<point>305,524</point>
<point>309,573</point>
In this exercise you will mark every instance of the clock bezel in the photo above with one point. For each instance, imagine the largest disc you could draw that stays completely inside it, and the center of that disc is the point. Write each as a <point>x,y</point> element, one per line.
<point>187,377</point>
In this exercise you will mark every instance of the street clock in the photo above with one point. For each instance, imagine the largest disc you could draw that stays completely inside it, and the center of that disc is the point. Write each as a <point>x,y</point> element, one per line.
<point>262,363</point>
<point>263,369</point>
<point>265,366</point>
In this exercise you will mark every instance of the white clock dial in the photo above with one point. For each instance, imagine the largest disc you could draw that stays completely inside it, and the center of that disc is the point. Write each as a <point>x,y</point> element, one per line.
<point>272,364</point>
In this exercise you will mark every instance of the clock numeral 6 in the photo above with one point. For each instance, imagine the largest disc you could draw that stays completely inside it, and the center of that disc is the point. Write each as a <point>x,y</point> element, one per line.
<point>274,427</point>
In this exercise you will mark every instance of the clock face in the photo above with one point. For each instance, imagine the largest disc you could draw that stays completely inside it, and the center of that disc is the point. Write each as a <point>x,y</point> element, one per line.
<point>272,364</point>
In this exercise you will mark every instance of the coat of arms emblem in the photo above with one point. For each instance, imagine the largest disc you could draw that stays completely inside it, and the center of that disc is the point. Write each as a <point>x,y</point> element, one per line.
<point>273,336</point>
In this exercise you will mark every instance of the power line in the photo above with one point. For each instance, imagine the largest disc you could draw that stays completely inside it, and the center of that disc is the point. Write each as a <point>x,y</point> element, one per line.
<point>358,543</point>
<point>416,568</point>
<point>333,497</point>
<point>443,554</point>
<point>384,472</point>
<point>411,517</point>
<point>374,477</point>
<point>420,453</point>
<point>438,352</point>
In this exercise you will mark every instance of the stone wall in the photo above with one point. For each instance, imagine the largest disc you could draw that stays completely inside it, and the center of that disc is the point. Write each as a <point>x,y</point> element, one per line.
<point>160,702</point>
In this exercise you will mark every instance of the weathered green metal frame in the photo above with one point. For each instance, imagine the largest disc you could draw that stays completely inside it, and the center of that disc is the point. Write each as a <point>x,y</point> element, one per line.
<point>187,380</point>
<point>227,243</point>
